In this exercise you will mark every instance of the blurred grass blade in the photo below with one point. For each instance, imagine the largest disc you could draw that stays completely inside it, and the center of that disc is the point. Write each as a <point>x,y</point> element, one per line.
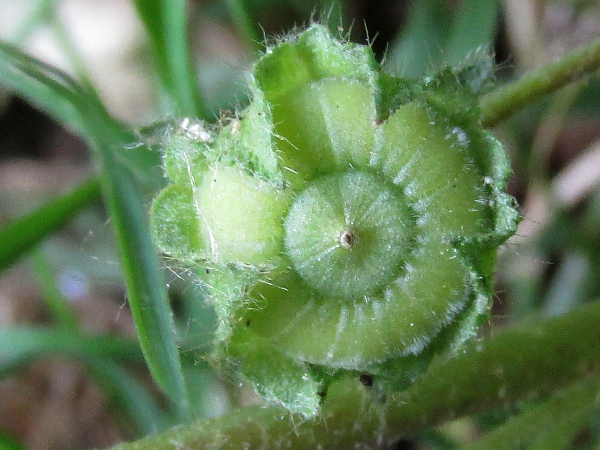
<point>21,235</point>
<point>44,86</point>
<point>130,398</point>
<point>40,14</point>
<point>474,28</point>
<point>244,24</point>
<point>62,98</point>
<point>56,302</point>
<point>547,426</point>
<point>166,25</point>
<point>144,281</point>
<point>430,40</point>
<point>19,345</point>
<point>8,443</point>
<point>418,48</point>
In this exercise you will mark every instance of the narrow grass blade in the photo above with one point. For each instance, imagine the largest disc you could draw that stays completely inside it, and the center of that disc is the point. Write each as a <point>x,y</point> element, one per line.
<point>21,235</point>
<point>129,397</point>
<point>44,86</point>
<point>8,443</point>
<point>40,14</point>
<point>57,303</point>
<point>418,48</point>
<point>166,25</point>
<point>20,345</point>
<point>244,24</point>
<point>144,281</point>
<point>473,29</point>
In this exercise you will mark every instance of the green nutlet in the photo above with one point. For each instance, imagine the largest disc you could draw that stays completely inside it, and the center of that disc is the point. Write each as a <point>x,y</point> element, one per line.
<point>350,219</point>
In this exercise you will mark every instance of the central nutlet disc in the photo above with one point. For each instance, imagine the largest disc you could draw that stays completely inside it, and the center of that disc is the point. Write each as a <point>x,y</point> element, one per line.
<point>348,234</point>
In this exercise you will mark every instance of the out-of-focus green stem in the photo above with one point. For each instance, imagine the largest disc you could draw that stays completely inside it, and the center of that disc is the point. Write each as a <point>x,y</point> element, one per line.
<point>524,362</point>
<point>498,105</point>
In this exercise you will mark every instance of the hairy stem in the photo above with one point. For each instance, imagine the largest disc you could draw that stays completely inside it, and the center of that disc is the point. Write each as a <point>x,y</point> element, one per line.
<point>500,104</point>
<point>521,363</point>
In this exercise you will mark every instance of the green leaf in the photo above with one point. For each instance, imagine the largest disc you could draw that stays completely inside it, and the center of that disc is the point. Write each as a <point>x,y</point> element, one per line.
<point>21,235</point>
<point>244,24</point>
<point>430,40</point>
<point>166,25</point>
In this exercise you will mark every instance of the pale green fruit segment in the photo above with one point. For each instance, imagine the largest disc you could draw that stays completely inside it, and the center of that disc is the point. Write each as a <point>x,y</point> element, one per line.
<point>327,125</point>
<point>436,165</point>
<point>175,224</point>
<point>241,217</point>
<point>354,334</point>
<point>348,234</point>
<point>313,55</point>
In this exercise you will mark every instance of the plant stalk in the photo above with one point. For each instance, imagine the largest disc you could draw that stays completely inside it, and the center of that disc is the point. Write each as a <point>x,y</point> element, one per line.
<point>499,105</point>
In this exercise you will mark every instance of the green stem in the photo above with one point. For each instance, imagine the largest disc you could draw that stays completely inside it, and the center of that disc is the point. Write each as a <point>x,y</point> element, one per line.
<point>498,105</point>
<point>522,363</point>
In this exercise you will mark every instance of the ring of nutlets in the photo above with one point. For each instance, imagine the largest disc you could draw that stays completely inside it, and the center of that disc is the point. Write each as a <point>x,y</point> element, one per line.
<point>349,219</point>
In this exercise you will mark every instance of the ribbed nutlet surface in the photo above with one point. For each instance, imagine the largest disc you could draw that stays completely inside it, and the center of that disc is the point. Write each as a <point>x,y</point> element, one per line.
<point>349,220</point>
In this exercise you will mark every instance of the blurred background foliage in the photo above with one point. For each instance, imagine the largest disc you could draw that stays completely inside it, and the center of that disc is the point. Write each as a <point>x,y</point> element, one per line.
<point>71,373</point>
